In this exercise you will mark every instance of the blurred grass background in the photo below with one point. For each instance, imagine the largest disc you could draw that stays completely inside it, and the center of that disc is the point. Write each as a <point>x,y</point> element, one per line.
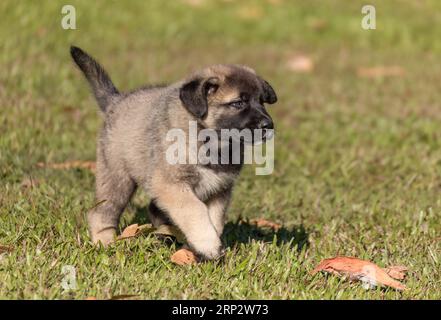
<point>357,158</point>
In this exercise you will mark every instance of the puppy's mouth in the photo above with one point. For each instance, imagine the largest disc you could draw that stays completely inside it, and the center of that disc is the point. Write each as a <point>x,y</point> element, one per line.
<point>268,134</point>
<point>258,136</point>
<point>263,136</point>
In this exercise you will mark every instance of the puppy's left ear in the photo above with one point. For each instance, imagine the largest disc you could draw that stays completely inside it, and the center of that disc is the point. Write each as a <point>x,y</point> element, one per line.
<point>194,95</point>
<point>269,96</point>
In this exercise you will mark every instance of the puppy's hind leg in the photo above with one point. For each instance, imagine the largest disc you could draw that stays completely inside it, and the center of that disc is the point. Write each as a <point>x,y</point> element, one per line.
<point>114,191</point>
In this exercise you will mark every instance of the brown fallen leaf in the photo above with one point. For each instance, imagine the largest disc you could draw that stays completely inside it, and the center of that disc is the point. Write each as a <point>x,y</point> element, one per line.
<point>168,230</point>
<point>380,72</point>
<point>90,165</point>
<point>135,230</point>
<point>397,272</point>
<point>91,298</point>
<point>29,182</point>
<point>263,223</point>
<point>317,24</point>
<point>357,269</point>
<point>41,32</point>
<point>4,249</point>
<point>300,63</point>
<point>74,113</point>
<point>183,257</point>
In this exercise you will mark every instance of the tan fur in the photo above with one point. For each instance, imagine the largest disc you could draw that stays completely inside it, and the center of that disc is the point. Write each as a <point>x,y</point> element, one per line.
<point>132,146</point>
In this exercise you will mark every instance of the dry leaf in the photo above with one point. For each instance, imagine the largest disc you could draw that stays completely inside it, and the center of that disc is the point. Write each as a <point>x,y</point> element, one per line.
<point>317,24</point>
<point>129,231</point>
<point>41,32</point>
<point>74,113</point>
<point>4,249</point>
<point>300,63</point>
<point>134,230</point>
<point>381,72</point>
<point>263,223</point>
<point>90,165</point>
<point>169,230</point>
<point>183,257</point>
<point>29,182</point>
<point>397,272</point>
<point>357,269</point>
<point>91,298</point>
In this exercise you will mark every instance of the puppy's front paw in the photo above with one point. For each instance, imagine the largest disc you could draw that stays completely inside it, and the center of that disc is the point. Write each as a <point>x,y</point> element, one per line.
<point>104,237</point>
<point>207,249</point>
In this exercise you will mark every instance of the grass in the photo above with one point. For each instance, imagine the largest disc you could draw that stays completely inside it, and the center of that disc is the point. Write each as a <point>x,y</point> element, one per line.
<point>358,160</point>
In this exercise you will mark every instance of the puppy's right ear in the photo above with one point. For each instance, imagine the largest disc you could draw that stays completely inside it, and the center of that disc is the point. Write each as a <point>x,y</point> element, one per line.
<point>194,94</point>
<point>269,95</point>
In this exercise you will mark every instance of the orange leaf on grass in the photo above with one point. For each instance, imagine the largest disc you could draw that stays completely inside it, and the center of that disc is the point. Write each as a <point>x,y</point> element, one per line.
<point>357,269</point>
<point>264,223</point>
<point>168,230</point>
<point>183,257</point>
<point>300,63</point>
<point>134,230</point>
<point>397,272</point>
<point>380,72</point>
<point>29,182</point>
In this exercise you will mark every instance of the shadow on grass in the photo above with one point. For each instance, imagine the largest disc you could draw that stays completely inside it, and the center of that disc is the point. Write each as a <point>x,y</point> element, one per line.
<point>242,231</point>
<point>140,216</point>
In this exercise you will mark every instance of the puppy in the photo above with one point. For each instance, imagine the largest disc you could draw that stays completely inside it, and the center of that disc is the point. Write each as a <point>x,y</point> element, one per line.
<point>132,146</point>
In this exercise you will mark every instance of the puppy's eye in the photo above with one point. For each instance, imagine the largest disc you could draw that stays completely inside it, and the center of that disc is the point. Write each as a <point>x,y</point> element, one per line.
<point>239,104</point>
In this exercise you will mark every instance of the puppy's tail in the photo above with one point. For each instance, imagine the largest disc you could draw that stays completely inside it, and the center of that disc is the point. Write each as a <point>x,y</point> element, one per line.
<point>102,87</point>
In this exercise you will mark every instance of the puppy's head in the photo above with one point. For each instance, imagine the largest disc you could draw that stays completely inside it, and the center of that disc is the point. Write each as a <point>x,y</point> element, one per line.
<point>229,97</point>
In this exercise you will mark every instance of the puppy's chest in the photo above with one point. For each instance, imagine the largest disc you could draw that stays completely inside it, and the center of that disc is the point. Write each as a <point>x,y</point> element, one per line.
<point>210,182</point>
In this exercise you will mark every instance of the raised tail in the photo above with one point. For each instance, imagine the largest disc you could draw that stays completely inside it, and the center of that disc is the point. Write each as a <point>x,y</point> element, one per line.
<point>99,80</point>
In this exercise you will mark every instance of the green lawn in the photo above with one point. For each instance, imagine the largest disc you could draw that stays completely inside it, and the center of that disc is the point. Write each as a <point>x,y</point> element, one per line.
<point>358,160</point>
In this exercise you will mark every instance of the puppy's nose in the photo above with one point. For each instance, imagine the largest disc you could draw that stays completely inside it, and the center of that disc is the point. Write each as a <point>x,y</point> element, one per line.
<point>266,124</point>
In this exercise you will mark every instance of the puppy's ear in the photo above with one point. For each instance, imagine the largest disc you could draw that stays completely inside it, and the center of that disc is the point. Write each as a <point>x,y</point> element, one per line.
<point>194,94</point>
<point>269,96</point>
